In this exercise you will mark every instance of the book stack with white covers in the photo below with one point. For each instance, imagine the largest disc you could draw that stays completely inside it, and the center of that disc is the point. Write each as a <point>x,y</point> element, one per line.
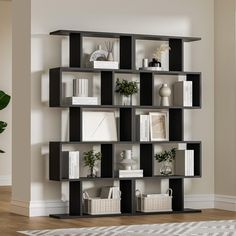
<point>183,93</point>
<point>71,160</point>
<point>105,64</point>
<point>80,94</point>
<point>130,173</point>
<point>143,128</point>
<point>184,162</point>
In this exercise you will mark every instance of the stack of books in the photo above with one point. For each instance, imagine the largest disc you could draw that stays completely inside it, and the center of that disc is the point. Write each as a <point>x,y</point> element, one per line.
<point>183,93</point>
<point>130,173</point>
<point>110,192</point>
<point>105,64</point>
<point>143,130</point>
<point>184,162</point>
<point>70,163</point>
<point>81,101</point>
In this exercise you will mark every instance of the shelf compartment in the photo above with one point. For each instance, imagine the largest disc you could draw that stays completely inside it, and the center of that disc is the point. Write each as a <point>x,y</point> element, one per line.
<point>196,92</point>
<point>146,159</point>
<point>146,89</point>
<point>75,198</point>
<point>126,124</point>
<point>197,158</point>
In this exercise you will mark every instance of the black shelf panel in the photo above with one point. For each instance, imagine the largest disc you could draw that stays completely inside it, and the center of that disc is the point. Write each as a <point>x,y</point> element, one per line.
<point>125,142</point>
<point>117,35</point>
<point>124,71</point>
<point>67,216</point>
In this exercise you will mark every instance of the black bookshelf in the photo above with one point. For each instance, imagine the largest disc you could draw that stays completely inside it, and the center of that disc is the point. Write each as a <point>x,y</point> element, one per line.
<point>58,167</point>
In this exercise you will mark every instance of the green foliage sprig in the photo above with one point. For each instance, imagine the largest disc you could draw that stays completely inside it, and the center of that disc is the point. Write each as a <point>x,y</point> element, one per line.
<point>4,101</point>
<point>126,88</point>
<point>166,155</point>
<point>91,157</point>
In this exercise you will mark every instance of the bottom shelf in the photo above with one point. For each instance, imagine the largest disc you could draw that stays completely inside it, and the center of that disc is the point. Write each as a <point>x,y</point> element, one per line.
<point>67,216</point>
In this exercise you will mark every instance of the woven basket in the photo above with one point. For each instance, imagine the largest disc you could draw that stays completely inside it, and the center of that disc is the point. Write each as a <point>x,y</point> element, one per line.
<point>101,206</point>
<point>157,203</point>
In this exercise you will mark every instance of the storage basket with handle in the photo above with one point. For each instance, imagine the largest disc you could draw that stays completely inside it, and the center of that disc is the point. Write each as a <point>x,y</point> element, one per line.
<point>154,202</point>
<point>100,206</point>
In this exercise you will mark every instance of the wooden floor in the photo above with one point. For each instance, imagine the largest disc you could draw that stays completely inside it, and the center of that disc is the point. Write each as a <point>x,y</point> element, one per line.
<point>10,223</point>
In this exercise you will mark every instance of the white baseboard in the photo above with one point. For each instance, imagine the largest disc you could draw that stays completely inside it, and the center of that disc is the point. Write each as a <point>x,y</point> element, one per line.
<point>195,201</point>
<point>225,202</point>
<point>5,180</point>
<point>199,201</point>
<point>39,208</point>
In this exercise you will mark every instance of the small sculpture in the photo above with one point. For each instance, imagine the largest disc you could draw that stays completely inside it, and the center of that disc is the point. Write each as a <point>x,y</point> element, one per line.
<point>164,93</point>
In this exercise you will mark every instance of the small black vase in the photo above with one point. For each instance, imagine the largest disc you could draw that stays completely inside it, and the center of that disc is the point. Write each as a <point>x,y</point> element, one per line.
<point>154,63</point>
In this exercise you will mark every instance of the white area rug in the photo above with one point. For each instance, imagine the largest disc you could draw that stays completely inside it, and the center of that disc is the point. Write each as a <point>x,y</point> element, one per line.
<point>203,228</point>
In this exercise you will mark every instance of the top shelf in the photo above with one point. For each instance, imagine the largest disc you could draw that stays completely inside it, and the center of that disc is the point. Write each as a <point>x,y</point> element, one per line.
<point>117,35</point>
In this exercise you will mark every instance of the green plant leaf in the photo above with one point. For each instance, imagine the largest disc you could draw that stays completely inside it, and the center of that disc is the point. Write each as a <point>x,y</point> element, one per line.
<point>3,126</point>
<point>4,100</point>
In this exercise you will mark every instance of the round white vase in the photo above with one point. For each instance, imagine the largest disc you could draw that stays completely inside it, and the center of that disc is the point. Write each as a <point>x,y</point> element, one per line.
<point>164,93</point>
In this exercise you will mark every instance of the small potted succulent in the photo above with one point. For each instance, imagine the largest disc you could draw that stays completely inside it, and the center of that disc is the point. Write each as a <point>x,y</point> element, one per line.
<point>90,159</point>
<point>166,158</point>
<point>126,89</point>
<point>4,101</point>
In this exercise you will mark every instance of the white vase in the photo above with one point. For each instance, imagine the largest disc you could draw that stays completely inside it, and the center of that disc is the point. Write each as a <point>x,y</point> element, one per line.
<point>127,161</point>
<point>164,93</point>
<point>126,100</point>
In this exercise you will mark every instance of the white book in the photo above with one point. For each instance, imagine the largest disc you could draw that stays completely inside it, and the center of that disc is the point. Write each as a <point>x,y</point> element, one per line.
<point>80,87</point>
<point>143,130</point>
<point>131,171</point>
<point>74,165</point>
<point>115,192</point>
<point>105,64</point>
<point>81,101</point>
<point>183,93</point>
<point>155,195</point>
<point>184,162</point>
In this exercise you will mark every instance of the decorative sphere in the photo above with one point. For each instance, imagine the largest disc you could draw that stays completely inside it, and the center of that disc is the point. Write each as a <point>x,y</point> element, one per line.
<point>164,91</point>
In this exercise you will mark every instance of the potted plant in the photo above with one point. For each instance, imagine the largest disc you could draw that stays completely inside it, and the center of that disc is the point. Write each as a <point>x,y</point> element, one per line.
<point>90,159</point>
<point>165,158</point>
<point>4,101</point>
<point>126,89</point>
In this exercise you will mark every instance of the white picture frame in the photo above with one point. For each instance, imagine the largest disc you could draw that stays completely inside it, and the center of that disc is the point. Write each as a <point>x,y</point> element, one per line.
<point>159,126</point>
<point>99,126</point>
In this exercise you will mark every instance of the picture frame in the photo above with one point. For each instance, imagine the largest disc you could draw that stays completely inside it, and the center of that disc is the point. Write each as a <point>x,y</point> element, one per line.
<point>99,126</point>
<point>159,126</point>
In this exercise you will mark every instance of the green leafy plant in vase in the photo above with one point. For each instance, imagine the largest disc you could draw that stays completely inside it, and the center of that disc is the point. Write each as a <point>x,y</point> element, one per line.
<point>126,89</point>
<point>4,101</point>
<point>90,159</point>
<point>166,158</point>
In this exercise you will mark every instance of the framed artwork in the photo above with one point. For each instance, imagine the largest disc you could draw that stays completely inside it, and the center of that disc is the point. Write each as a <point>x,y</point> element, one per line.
<point>99,126</point>
<point>159,127</point>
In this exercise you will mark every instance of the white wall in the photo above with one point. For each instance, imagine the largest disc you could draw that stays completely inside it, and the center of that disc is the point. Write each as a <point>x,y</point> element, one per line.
<point>183,17</point>
<point>6,85</point>
<point>225,99</point>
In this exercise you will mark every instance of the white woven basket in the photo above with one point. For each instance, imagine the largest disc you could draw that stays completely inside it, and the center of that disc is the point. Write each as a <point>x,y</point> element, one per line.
<point>156,203</point>
<point>101,206</point>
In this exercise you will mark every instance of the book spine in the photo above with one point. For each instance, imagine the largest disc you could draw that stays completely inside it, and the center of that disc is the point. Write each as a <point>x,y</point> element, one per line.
<point>73,165</point>
<point>144,127</point>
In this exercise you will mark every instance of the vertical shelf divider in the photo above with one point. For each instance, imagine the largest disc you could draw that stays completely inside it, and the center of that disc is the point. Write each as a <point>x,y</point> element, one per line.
<point>107,88</point>
<point>126,124</point>
<point>146,159</point>
<point>126,52</point>
<point>107,161</point>
<point>75,124</point>
<point>196,84</point>
<point>55,87</point>
<point>146,88</point>
<point>176,127</point>
<point>176,55</point>
<point>76,49</point>
<point>177,185</point>
<point>75,206</point>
